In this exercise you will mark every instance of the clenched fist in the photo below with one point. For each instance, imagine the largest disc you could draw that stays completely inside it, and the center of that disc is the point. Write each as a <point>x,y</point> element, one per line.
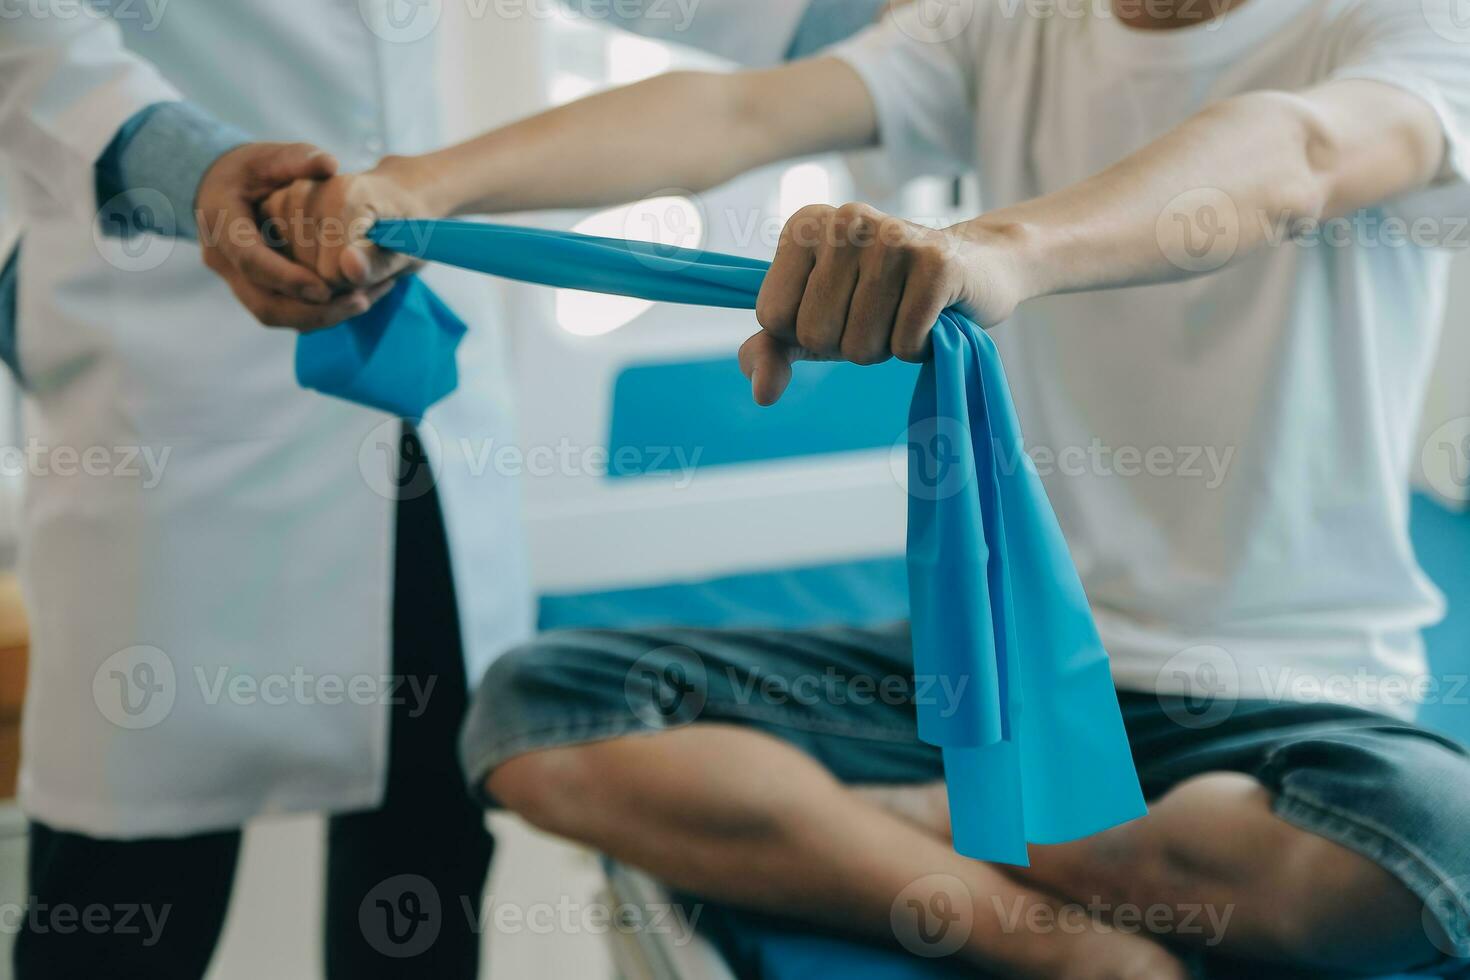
<point>855,284</point>
<point>323,224</point>
<point>277,291</point>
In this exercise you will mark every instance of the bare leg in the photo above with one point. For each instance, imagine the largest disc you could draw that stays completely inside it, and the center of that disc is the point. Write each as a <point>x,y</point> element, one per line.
<point>745,818</point>
<point>1224,872</point>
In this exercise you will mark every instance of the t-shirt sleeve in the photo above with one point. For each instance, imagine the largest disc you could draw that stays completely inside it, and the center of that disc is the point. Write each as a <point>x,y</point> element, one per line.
<point>1422,47</point>
<point>919,67</point>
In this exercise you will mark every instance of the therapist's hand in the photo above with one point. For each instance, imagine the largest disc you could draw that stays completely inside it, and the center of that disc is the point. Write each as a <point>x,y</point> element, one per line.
<point>855,284</point>
<point>277,291</point>
<point>323,224</point>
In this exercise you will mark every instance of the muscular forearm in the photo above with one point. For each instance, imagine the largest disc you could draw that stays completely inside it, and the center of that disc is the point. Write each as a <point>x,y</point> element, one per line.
<point>1233,178</point>
<point>854,283</point>
<point>686,130</point>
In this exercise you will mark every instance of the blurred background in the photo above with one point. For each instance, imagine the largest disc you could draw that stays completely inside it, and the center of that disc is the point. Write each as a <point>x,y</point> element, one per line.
<point>720,525</point>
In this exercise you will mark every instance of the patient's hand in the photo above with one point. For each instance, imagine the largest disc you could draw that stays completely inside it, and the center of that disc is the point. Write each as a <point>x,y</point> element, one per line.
<point>854,284</point>
<point>323,224</point>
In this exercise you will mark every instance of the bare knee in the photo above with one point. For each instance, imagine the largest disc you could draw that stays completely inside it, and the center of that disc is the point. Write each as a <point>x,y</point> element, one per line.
<point>1269,889</point>
<point>1324,906</point>
<point>1341,911</point>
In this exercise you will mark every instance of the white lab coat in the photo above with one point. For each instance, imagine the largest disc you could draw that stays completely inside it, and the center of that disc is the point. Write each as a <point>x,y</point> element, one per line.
<point>210,624</point>
<point>243,578</point>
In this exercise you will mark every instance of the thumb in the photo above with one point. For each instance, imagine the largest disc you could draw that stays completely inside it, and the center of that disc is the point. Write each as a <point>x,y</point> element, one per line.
<point>289,162</point>
<point>766,360</point>
<point>368,265</point>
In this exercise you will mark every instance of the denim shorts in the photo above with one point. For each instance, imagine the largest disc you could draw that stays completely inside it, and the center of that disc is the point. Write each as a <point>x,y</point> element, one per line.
<point>1393,792</point>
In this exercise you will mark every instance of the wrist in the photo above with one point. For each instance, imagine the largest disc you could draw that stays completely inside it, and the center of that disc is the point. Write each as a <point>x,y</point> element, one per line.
<point>1015,248</point>
<point>424,181</point>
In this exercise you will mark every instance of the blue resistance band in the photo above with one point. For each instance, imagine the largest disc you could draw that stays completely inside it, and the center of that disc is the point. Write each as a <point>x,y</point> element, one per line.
<point>1012,682</point>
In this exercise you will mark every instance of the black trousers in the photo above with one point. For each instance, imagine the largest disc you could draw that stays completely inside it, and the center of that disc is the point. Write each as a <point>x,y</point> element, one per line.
<point>404,882</point>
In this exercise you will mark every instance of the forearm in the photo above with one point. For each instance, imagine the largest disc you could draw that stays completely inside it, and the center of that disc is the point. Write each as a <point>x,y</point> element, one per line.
<point>1239,175</point>
<point>686,130</point>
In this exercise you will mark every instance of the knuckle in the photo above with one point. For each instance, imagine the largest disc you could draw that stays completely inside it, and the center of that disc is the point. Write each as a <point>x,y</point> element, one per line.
<point>863,351</point>
<point>855,225</point>
<point>776,316</point>
<point>814,211</point>
<point>924,255</point>
<point>910,338</point>
<point>896,233</point>
<point>908,348</point>
<point>815,338</point>
<point>252,266</point>
<point>804,229</point>
<point>268,315</point>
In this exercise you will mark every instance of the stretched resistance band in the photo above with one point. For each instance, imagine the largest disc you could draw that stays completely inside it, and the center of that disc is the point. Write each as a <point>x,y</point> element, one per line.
<point>1011,679</point>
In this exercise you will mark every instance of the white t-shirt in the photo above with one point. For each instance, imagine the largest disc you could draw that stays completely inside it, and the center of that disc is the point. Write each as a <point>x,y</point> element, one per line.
<point>1228,455</point>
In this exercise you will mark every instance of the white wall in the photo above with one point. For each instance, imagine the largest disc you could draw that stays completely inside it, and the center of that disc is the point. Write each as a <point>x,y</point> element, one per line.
<point>1445,456</point>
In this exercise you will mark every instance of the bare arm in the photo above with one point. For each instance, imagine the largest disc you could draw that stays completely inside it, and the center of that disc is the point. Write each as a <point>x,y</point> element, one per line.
<point>1242,169</point>
<point>690,130</point>
<point>853,283</point>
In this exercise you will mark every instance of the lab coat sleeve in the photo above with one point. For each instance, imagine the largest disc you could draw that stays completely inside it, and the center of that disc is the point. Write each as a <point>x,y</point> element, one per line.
<point>749,32</point>
<point>67,85</point>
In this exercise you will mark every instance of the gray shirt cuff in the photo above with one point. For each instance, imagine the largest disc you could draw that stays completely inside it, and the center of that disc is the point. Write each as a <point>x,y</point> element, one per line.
<point>149,175</point>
